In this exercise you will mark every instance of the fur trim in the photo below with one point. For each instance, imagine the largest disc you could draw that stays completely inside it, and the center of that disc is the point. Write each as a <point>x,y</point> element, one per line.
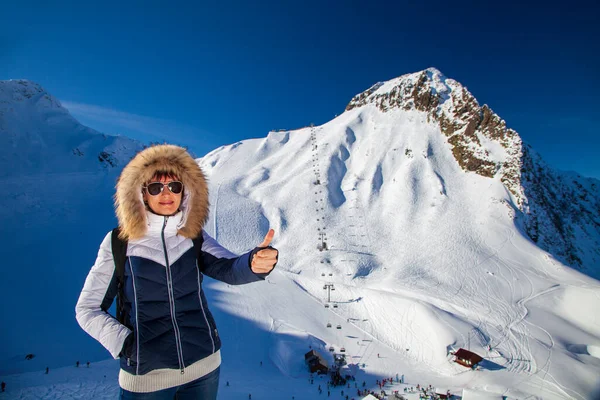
<point>129,204</point>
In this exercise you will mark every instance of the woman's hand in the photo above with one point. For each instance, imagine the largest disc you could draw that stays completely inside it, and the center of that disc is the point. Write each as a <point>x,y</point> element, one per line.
<point>264,260</point>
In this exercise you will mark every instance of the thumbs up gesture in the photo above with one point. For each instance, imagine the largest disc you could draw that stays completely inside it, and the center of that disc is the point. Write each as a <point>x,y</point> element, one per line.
<point>265,259</point>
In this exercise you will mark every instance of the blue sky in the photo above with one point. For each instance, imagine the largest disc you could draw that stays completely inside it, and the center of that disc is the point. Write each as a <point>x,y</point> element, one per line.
<point>207,74</point>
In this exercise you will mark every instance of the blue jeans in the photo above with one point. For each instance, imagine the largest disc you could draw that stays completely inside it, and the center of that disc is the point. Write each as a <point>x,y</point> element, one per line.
<point>204,388</point>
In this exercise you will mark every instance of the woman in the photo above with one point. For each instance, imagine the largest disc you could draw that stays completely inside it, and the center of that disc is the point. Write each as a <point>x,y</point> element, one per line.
<point>169,346</point>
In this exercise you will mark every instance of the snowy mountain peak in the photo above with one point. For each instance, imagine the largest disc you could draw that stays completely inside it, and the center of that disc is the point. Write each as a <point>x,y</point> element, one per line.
<point>548,201</point>
<point>407,91</point>
<point>39,135</point>
<point>469,127</point>
<point>23,90</point>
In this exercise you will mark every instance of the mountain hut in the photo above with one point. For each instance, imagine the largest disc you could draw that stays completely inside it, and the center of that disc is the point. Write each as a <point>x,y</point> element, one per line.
<point>467,358</point>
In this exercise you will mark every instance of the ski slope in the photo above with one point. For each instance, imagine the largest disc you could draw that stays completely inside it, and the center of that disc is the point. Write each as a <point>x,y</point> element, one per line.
<point>425,258</point>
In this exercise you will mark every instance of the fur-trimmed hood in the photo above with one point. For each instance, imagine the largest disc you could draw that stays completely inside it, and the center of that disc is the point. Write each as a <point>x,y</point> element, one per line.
<point>129,203</point>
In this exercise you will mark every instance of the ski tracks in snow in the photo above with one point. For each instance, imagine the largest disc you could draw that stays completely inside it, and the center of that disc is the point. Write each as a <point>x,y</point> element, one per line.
<point>516,340</point>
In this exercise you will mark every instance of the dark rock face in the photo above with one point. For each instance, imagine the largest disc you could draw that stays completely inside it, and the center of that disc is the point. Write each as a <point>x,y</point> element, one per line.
<point>557,212</point>
<point>561,212</point>
<point>361,99</point>
<point>407,95</point>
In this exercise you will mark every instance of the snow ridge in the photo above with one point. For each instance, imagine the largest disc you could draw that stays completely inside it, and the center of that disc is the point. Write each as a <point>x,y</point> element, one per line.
<point>39,135</point>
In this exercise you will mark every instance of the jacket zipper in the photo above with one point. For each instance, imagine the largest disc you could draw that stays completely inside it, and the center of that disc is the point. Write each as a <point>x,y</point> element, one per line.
<point>137,325</point>
<point>202,308</point>
<point>172,301</point>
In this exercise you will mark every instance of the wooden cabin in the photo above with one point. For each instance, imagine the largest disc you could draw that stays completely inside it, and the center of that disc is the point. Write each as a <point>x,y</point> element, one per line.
<point>311,354</point>
<point>467,358</point>
<point>316,362</point>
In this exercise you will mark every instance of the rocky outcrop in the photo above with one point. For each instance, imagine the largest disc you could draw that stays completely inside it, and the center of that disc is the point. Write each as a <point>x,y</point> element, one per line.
<point>561,212</point>
<point>406,95</point>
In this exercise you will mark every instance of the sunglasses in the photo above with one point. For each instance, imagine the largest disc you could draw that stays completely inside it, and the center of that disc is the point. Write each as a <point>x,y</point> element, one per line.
<point>156,188</point>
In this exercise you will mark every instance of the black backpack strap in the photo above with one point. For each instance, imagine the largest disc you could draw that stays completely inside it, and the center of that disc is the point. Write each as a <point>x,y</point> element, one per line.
<point>198,241</point>
<point>119,251</point>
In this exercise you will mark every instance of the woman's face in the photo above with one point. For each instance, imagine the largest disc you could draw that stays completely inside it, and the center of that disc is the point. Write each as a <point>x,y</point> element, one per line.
<point>166,202</point>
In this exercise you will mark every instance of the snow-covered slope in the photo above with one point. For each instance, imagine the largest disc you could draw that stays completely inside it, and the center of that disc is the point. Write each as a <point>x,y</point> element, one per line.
<point>59,178</point>
<point>421,229</point>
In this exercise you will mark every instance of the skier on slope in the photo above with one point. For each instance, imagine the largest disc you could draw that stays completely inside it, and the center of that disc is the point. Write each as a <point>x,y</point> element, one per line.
<point>168,340</point>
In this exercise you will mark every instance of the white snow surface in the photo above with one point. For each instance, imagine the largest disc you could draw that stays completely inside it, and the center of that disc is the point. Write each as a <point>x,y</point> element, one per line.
<point>425,259</point>
<point>470,394</point>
